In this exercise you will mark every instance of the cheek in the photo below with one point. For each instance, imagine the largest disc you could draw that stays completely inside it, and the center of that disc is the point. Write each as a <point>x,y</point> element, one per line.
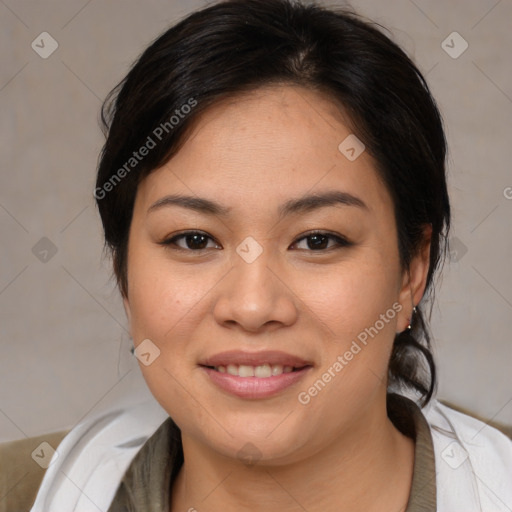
<point>347,300</point>
<point>167,304</point>
<point>163,297</point>
<point>354,310</point>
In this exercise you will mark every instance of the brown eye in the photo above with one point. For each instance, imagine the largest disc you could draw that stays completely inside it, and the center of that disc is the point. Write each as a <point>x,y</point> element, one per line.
<point>318,241</point>
<point>190,241</point>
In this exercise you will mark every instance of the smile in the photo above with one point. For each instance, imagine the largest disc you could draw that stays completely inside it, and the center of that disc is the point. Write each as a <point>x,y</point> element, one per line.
<point>253,375</point>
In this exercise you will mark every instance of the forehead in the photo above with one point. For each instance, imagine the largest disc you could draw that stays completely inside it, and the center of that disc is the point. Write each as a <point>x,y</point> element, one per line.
<point>270,144</point>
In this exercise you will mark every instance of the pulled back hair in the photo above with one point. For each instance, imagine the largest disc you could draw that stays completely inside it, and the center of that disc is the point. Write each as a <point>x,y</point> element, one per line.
<point>237,46</point>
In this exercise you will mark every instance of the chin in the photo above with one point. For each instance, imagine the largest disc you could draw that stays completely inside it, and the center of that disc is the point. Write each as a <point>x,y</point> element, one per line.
<point>254,442</point>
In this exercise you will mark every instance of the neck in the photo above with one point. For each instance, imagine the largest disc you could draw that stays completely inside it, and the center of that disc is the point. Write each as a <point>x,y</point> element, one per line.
<point>368,468</point>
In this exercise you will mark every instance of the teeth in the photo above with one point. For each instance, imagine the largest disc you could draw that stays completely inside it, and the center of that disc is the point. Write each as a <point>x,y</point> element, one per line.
<point>232,369</point>
<point>262,371</point>
<point>277,369</point>
<point>245,371</point>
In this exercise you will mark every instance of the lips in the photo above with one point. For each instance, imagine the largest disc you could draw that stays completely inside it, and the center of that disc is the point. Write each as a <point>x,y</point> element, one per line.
<point>270,357</point>
<point>255,375</point>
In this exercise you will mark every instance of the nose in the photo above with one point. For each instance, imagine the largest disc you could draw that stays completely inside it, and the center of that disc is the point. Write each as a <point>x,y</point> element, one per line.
<point>255,297</point>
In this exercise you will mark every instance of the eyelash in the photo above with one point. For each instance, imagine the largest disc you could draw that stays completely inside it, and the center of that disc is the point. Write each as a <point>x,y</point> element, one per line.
<point>340,240</point>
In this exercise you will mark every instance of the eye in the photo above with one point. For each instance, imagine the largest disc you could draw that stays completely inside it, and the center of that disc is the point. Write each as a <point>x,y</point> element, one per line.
<point>319,241</point>
<point>193,241</point>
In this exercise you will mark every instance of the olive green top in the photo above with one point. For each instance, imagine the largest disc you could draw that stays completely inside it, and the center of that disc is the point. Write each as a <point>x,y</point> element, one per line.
<point>148,489</point>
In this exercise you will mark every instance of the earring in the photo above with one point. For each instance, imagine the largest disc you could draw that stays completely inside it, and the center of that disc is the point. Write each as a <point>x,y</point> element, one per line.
<point>414,310</point>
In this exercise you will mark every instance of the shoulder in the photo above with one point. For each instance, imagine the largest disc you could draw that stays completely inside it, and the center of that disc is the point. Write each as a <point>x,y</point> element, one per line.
<point>91,460</point>
<point>473,461</point>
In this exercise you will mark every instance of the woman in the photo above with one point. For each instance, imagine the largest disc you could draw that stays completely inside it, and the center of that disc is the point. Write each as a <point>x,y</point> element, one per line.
<point>273,192</point>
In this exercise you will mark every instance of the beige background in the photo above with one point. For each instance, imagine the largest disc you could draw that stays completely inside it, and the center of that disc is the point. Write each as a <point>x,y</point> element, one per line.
<point>64,344</point>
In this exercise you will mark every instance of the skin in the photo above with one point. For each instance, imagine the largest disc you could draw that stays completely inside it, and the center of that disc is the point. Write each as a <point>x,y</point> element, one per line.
<point>339,452</point>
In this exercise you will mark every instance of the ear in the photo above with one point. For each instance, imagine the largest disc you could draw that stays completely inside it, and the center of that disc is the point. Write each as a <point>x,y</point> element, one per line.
<point>414,280</point>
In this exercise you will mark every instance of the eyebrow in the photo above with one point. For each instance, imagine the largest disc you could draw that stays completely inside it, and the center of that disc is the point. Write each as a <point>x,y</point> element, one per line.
<point>293,206</point>
<point>315,201</point>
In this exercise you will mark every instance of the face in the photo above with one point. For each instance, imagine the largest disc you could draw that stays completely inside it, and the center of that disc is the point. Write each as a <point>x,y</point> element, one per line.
<point>264,277</point>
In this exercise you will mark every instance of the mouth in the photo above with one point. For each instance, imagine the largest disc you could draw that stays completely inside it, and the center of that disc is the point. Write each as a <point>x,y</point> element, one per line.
<point>255,375</point>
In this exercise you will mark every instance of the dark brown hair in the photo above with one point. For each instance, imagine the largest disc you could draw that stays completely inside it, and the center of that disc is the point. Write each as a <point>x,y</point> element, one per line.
<point>237,46</point>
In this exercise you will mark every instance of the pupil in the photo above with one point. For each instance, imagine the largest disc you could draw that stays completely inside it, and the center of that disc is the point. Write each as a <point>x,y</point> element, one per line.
<point>196,241</point>
<point>318,241</point>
